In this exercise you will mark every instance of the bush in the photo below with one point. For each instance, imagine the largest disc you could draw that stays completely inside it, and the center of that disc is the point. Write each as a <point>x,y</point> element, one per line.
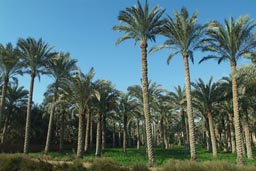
<point>22,163</point>
<point>105,164</point>
<point>140,167</point>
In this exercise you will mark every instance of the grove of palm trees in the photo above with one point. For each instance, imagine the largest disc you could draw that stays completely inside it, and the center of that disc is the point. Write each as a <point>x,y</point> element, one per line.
<point>88,120</point>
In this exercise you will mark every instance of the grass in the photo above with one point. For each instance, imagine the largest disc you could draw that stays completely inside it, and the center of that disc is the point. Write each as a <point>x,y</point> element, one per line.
<point>134,156</point>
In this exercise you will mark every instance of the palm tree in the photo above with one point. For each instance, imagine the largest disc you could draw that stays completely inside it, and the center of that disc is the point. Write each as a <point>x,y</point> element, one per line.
<point>79,90</point>
<point>183,36</point>
<point>15,100</point>
<point>140,24</point>
<point>35,57</point>
<point>230,42</point>
<point>60,67</point>
<point>178,98</point>
<point>9,68</point>
<point>207,95</point>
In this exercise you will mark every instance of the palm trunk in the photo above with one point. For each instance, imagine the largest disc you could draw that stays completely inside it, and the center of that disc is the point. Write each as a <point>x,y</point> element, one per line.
<point>114,136</point>
<point>239,150</point>
<point>98,137</point>
<point>125,133</point>
<point>91,133</point>
<point>138,133</point>
<point>144,64</point>
<point>247,137</point>
<point>80,143</point>
<point>86,145</point>
<point>162,131</point>
<point>62,130</point>
<point>2,102</point>
<point>189,108</point>
<point>5,128</point>
<point>49,132</point>
<point>213,138</point>
<point>103,129</point>
<point>28,118</point>
<point>232,135</point>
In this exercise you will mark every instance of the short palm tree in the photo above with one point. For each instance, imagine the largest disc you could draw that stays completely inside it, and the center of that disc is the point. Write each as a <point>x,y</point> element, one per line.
<point>183,36</point>
<point>16,99</point>
<point>9,68</point>
<point>140,24</point>
<point>230,42</point>
<point>207,95</point>
<point>60,67</point>
<point>79,90</point>
<point>35,57</point>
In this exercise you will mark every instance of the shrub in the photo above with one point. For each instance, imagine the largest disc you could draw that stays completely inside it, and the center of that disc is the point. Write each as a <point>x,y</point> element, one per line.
<point>105,164</point>
<point>140,167</point>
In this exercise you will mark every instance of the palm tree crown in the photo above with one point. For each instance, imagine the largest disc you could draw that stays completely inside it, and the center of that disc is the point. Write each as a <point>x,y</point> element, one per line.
<point>230,41</point>
<point>139,23</point>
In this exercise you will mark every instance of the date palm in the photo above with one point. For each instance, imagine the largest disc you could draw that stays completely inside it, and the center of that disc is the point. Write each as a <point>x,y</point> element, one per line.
<point>140,24</point>
<point>229,42</point>
<point>35,57</point>
<point>207,95</point>
<point>60,67</point>
<point>183,36</point>
<point>79,90</point>
<point>9,68</point>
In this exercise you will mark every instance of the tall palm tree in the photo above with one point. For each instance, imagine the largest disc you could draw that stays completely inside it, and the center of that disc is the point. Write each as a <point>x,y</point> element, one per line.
<point>79,90</point>
<point>60,67</point>
<point>183,36</point>
<point>230,42</point>
<point>140,24</point>
<point>9,68</point>
<point>35,57</point>
<point>207,95</point>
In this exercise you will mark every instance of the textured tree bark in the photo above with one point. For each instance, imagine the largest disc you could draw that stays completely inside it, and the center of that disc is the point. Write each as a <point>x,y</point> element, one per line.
<point>81,130</point>
<point>98,137</point>
<point>144,68</point>
<point>232,134</point>
<point>114,135</point>
<point>2,102</point>
<point>239,150</point>
<point>213,138</point>
<point>138,133</point>
<point>189,108</point>
<point>62,129</point>
<point>28,118</point>
<point>6,121</point>
<point>87,131</point>
<point>125,133</point>
<point>247,136</point>
<point>49,131</point>
<point>103,129</point>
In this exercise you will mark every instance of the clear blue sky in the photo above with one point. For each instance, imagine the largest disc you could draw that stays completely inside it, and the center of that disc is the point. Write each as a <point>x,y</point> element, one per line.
<point>84,28</point>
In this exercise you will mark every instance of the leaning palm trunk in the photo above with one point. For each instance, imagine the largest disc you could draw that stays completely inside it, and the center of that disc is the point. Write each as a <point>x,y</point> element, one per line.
<point>103,129</point>
<point>189,108</point>
<point>239,149</point>
<point>143,47</point>
<point>98,137</point>
<point>2,102</point>
<point>247,137</point>
<point>87,132</point>
<point>213,138</point>
<point>49,132</point>
<point>28,118</point>
<point>80,143</point>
